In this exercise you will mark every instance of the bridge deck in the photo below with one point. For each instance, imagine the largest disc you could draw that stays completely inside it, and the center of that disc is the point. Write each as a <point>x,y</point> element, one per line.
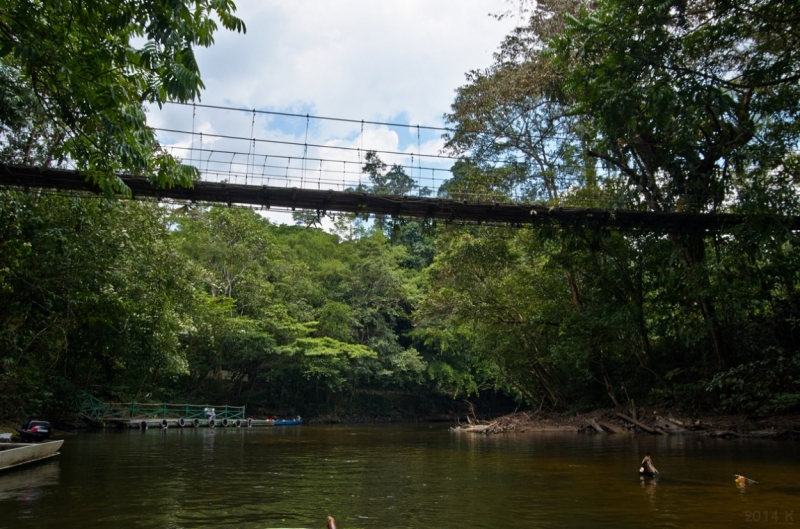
<point>402,206</point>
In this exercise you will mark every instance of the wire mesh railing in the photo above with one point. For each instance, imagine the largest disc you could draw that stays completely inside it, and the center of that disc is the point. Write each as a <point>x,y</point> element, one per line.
<point>298,156</point>
<point>97,410</point>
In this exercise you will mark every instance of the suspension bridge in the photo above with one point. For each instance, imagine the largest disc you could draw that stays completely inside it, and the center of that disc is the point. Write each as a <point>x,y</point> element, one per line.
<point>293,173</point>
<point>410,207</point>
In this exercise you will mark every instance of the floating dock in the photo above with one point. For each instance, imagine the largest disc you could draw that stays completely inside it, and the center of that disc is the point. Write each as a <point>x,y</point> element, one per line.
<point>163,415</point>
<point>150,422</point>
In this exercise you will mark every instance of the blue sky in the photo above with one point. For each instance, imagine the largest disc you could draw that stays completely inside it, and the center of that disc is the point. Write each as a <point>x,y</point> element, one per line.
<point>387,60</point>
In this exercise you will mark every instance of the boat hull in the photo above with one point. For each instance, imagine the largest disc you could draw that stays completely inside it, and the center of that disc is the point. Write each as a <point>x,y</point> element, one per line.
<point>16,454</point>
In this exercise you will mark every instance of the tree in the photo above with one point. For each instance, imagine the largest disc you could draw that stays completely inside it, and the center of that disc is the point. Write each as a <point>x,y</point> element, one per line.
<point>510,116</point>
<point>92,298</point>
<point>395,181</point>
<point>685,99</point>
<point>78,61</point>
<point>692,103</point>
<point>283,309</point>
<point>667,107</point>
<point>30,136</point>
<point>228,243</point>
<point>483,182</point>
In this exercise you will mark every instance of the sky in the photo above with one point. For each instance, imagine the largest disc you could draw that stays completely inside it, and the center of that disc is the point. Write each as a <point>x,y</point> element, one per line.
<point>394,61</point>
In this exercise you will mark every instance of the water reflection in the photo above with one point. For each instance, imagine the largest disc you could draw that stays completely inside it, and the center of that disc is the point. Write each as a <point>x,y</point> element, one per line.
<point>649,484</point>
<point>28,484</point>
<point>401,476</point>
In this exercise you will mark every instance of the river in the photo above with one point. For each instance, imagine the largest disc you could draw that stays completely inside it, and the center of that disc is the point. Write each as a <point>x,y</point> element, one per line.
<point>402,476</point>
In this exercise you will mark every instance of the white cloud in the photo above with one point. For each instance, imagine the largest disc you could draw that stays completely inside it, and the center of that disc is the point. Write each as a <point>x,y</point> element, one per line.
<point>388,60</point>
<point>353,57</point>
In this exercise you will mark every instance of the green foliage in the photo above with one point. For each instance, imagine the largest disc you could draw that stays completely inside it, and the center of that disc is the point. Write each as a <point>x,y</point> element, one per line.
<point>330,347</point>
<point>292,318</point>
<point>335,321</point>
<point>761,386</point>
<point>661,107</point>
<point>75,64</point>
<point>86,302</point>
<point>30,136</point>
<point>679,97</point>
<point>395,181</point>
<point>128,301</point>
<point>665,107</point>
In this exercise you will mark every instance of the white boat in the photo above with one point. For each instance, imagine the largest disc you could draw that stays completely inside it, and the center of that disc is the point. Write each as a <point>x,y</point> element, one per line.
<point>15,454</point>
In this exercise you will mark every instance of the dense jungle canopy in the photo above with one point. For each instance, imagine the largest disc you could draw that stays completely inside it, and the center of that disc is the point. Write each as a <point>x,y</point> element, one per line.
<point>649,106</point>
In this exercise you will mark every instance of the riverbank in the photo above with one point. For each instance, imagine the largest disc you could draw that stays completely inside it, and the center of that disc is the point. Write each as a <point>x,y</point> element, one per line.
<point>641,420</point>
<point>330,419</point>
<point>645,420</point>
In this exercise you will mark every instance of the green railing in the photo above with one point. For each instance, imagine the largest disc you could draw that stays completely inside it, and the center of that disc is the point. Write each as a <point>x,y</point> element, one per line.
<point>98,410</point>
<point>93,408</point>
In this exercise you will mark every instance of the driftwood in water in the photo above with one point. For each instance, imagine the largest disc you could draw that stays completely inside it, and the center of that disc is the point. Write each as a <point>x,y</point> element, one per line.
<point>770,433</point>
<point>647,468</point>
<point>596,426</point>
<point>640,425</point>
<point>613,428</point>
<point>725,433</point>
<point>669,426</point>
<point>788,434</point>
<point>331,523</point>
<point>521,422</point>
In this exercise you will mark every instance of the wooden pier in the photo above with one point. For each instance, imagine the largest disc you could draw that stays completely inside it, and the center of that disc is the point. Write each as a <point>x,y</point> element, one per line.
<point>165,415</point>
<point>148,415</point>
<point>144,423</point>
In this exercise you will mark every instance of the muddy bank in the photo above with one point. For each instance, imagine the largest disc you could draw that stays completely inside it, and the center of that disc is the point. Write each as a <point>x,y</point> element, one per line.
<point>640,420</point>
<point>378,419</point>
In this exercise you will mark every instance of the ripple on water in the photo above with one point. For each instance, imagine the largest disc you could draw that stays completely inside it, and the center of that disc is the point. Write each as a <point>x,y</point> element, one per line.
<point>397,476</point>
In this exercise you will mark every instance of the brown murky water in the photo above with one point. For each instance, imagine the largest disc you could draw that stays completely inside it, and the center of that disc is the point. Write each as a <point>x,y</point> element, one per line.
<point>400,477</point>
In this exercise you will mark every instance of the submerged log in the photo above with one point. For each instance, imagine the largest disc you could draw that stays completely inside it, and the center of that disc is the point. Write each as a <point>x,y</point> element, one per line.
<point>669,426</point>
<point>647,468</point>
<point>596,426</point>
<point>788,434</point>
<point>724,434</point>
<point>640,425</point>
<point>613,428</point>
<point>475,428</point>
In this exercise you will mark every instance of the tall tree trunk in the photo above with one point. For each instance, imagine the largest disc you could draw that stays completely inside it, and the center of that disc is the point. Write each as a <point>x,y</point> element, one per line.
<point>690,249</point>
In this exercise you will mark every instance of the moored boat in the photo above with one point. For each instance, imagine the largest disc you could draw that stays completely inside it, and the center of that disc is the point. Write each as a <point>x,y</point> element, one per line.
<point>15,454</point>
<point>35,431</point>
<point>288,422</point>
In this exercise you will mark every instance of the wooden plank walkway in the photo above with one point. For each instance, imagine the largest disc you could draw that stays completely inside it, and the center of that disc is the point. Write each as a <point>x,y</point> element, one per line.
<point>404,206</point>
